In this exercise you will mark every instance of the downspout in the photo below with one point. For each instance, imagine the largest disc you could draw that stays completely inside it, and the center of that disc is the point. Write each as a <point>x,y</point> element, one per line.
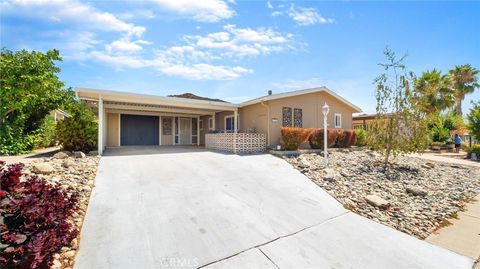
<point>268,121</point>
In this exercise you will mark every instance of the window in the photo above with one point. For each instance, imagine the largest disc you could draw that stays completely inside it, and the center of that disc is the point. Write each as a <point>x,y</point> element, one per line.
<point>292,117</point>
<point>338,120</point>
<point>229,124</point>
<point>297,117</point>
<point>210,123</point>
<point>166,126</point>
<point>287,117</point>
<point>201,125</point>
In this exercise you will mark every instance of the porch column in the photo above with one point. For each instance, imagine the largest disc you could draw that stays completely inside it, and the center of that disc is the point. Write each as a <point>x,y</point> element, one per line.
<point>198,130</point>
<point>173,130</point>
<point>235,120</point>
<point>100,126</point>
<point>213,122</point>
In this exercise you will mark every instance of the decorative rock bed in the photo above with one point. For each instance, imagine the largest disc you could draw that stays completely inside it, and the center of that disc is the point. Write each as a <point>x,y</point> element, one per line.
<point>69,170</point>
<point>413,195</point>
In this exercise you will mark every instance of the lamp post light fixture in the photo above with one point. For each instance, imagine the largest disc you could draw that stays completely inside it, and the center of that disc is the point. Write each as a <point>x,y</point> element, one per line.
<point>325,110</point>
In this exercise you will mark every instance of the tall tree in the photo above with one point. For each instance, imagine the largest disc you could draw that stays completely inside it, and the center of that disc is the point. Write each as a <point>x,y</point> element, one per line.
<point>474,120</point>
<point>29,90</point>
<point>433,92</point>
<point>464,80</point>
<point>400,126</point>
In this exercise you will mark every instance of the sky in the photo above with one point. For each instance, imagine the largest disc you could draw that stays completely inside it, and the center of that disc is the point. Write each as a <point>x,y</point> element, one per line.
<point>238,50</point>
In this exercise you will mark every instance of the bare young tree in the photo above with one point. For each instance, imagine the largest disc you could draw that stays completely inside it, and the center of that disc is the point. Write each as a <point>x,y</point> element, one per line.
<point>400,126</point>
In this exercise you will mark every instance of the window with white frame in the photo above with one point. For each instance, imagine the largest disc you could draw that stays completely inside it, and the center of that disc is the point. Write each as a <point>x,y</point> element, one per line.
<point>229,124</point>
<point>338,120</point>
<point>201,125</point>
<point>210,123</point>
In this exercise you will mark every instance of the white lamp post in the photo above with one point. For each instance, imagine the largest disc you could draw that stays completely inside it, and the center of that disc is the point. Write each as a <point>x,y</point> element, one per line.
<point>325,110</point>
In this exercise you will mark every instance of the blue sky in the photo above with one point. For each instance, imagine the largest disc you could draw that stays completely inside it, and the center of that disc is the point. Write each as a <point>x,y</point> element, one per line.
<point>238,50</point>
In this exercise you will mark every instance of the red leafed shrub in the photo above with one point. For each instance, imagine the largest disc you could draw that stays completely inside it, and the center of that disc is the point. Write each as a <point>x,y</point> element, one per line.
<point>346,138</point>
<point>35,219</point>
<point>294,137</point>
<point>316,138</point>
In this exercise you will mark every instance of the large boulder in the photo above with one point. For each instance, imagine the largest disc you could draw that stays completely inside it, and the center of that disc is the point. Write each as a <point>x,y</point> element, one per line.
<point>417,191</point>
<point>43,168</point>
<point>60,155</point>
<point>377,201</point>
<point>79,154</point>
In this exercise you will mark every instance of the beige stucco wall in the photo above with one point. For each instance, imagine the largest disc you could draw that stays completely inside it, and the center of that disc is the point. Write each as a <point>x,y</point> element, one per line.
<point>113,129</point>
<point>252,116</point>
<point>205,129</point>
<point>220,120</point>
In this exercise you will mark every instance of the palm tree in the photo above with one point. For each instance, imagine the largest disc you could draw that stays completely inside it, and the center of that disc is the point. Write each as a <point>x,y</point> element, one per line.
<point>464,80</point>
<point>433,92</point>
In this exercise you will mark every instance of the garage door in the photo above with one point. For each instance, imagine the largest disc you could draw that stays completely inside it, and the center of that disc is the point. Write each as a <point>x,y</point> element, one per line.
<point>139,130</point>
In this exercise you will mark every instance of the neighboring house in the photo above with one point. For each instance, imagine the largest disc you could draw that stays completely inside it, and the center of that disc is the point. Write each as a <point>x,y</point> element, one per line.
<point>140,119</point>
<point>361,121</point>
<point>59,114</point>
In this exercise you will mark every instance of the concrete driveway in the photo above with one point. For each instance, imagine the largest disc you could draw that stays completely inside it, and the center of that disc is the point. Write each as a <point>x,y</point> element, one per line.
<point>187,208</point>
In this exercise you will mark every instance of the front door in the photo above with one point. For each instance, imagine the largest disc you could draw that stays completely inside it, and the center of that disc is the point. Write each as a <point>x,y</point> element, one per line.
<point>185,131</point>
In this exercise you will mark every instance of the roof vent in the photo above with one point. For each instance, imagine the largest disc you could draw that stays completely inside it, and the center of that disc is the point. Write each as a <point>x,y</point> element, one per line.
<point>269,92</point>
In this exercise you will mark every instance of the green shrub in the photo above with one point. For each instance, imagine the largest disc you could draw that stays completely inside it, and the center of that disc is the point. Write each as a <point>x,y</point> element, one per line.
<point>437,144</point>
<point>44,136</point>
<point>440,134</point>
<point>12,140</point>
<point>78,132</point>
<point>294,137</point>
<point>473,149</point>
<point>361,137</point>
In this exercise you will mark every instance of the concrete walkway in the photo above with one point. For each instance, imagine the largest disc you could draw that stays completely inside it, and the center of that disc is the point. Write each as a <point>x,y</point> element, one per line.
<point>30,157</point>
<point>186,208</point>
<point>463,236</point>
<point>452,158</point>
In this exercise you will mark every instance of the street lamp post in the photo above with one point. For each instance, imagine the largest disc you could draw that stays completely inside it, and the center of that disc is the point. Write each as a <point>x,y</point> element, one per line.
<point>325,110</point>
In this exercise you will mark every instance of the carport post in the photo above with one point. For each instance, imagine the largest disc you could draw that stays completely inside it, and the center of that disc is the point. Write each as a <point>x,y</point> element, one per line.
<point>235,120</point>
<point>100,126</point>
<point>213,121</point>
<point>198,130</point>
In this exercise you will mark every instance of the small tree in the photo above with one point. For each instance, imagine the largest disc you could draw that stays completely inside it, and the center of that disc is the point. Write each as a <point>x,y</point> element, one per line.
<point>400,126</point>
<point>78,132</point>
<point>474,120</point>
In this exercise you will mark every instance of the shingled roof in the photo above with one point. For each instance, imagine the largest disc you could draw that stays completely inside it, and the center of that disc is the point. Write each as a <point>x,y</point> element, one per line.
<point>193,96</point>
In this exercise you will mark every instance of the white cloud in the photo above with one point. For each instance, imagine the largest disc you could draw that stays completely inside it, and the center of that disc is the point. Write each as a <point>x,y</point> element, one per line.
<point>205,71</point>
<point>239,42</point>
<point>307,16</point>
<point>199,57</point>
<point>269,5</point>
<point>276,13</point>
<point>137,13</point>
<point>72,11</point>
<point>293,84</point>
<point>125,45</point>
<point>199,10</point>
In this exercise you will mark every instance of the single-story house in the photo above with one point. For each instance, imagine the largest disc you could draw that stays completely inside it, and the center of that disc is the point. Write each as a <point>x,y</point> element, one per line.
<point>140,119</point>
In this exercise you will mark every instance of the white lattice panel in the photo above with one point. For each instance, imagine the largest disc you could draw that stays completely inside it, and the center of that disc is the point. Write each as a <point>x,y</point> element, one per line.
<point>236,143</point>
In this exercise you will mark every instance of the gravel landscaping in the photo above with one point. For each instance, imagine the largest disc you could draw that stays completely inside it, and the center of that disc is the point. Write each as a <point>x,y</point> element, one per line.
<point>414,196</point>
<point>75,170</point>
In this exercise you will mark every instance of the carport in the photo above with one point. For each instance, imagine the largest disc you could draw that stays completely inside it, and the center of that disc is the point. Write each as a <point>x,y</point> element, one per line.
<point>129,119</point>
